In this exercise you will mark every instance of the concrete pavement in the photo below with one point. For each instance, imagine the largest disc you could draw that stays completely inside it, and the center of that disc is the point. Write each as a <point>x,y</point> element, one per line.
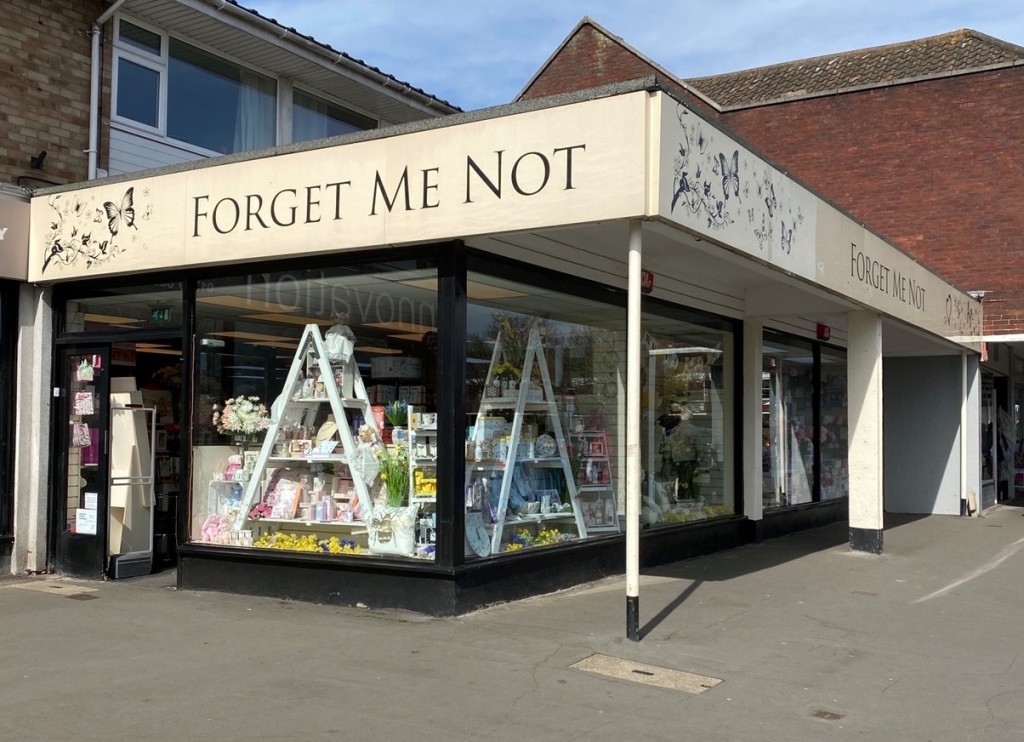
<point>811,642</point>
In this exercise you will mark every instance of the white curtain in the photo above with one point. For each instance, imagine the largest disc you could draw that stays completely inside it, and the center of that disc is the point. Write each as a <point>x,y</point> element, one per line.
<point>256,114</point>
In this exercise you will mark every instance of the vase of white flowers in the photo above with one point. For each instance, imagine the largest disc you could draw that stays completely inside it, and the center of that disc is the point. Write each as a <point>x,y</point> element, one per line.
<point>244,418</point>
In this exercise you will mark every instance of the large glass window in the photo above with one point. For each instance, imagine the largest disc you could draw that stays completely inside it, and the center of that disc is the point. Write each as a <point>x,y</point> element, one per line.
<point>787,456</point>
<point>688,408</point>
<point>834,434</point>
<point>143,104</point>
<point>315,411</point>
<point>315,118</point>
<point>804,429</point>
<point>208,101</point>
<point>544,448</point>
<point>216,104</point>
<point>127,307</point>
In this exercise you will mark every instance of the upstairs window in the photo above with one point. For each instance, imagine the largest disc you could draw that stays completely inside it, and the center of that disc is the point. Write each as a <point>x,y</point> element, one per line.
<point>179,91</point>
<point>169,88</point>
<point>315,118</point>
<point>216,104</point>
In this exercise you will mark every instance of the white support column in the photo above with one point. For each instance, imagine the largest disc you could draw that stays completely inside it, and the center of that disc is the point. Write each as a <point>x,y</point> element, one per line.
<point>970,434</point>
<point>753,481</point>
<point>32,438</point>
<point>633,327</point>
<point>864,337</point>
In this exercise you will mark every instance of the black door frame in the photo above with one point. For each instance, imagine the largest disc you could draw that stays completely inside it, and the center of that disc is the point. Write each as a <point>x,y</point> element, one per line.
<point>59,445</point>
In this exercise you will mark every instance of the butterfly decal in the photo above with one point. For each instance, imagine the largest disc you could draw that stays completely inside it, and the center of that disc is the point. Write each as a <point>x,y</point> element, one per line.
<point>787,238</point>
<point>702,141</point>
<point>730,174</point>
<point>770,201</point>
<point>124,215</point>
<point>763,233</point>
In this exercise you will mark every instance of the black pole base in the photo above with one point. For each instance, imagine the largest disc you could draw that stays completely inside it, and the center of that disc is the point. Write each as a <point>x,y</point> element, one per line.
<point>633,617</point>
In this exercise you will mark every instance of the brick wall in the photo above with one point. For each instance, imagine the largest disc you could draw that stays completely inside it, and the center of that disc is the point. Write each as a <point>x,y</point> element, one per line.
<point>936,167</point>
<point>44,87</point>
<point>590,59</point>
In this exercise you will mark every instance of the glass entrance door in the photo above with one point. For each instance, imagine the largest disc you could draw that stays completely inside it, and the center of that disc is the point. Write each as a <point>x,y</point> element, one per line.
<point>82,477</point>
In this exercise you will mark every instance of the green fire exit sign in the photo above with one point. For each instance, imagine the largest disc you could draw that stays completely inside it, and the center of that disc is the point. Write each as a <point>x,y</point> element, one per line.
<point>160,314</point>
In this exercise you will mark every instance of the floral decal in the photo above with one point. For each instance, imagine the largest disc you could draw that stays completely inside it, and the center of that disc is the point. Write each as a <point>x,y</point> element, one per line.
<point>92,232</point>
<point>712,183</point>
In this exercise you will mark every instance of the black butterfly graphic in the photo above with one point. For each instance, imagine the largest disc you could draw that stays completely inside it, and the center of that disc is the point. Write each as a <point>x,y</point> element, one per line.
<point>730,174</point>
<point>123,215</point>
<point>787,238</point>
<point>770,201</point>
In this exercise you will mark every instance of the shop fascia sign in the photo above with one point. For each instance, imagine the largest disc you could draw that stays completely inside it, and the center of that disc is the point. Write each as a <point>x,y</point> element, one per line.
<point>565,165</point>
<point>14,221</point>
<point>502,174</point>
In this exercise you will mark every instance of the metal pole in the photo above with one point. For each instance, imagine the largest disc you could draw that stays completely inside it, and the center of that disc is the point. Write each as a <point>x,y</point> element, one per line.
<point>633,434</point>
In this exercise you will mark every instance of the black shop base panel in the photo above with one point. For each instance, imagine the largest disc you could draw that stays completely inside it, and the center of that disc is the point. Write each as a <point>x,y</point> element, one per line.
<point>424,588</point>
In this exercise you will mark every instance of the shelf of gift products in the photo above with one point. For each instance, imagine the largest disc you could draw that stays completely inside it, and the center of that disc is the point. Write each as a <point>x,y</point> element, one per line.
<point>514,474</point>
<point>594,480</point>
<point>422,441</point>
<point>316,465</point>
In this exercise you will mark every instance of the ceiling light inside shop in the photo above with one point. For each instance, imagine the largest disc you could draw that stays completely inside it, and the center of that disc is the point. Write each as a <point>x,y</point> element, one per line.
<point>240,335</point>
<point>278,344</point>
<point>241,302</point>
<point>110,319</point>
<point>159,351</point>
<point>474,289</point>
<point>401,326</point>
<point>290,319</point>
<point>378,350</point>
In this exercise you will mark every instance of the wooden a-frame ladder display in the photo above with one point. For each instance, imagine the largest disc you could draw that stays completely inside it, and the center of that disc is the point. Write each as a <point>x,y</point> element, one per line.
<point>297,408</point>
<point>522,405</point>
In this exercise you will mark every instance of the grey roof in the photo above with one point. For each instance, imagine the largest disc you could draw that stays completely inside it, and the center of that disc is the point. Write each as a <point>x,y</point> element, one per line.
<point>954,53</point>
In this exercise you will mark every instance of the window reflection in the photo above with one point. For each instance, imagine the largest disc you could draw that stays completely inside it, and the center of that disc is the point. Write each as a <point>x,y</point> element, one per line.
<point>688,402</point>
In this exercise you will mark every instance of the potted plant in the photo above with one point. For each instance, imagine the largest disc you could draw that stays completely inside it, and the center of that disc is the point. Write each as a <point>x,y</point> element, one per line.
<point>397,415</point>
<point>507,376</point>
<point>391,525</point>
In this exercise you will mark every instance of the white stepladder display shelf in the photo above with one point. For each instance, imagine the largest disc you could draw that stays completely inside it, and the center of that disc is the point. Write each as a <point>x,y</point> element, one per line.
<point>302,403</point>
<point>533,456</point>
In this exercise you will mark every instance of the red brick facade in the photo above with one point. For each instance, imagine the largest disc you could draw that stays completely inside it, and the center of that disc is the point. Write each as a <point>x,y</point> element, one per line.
<point>936,167</point>
<point>590,58</point>
<point>45,49</point>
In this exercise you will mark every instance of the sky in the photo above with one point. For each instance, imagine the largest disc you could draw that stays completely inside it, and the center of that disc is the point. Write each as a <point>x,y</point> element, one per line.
<point>482,53</point>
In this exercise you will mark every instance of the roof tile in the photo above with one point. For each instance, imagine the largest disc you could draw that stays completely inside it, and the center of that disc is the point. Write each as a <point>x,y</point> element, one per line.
<point>957,52</point>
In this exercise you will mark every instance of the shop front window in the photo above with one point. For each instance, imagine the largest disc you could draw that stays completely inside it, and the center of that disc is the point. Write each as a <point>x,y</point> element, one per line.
<point>130,307</point>
<point>834,435</point>
<point>787,439</point>
<point>315,411</point>
<point>804,422</point>
<point>688,403</point>
<point>545,430</point>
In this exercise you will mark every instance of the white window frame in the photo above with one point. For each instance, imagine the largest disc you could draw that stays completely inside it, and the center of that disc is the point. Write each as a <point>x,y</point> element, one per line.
<point>158,64</point>
<point>135,54</point>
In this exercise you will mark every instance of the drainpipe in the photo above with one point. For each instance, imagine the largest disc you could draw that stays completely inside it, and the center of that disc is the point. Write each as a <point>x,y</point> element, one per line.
<point>94,86</point>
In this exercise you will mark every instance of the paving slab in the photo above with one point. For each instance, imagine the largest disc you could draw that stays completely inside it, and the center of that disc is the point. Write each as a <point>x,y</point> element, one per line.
<point>809,640</point>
